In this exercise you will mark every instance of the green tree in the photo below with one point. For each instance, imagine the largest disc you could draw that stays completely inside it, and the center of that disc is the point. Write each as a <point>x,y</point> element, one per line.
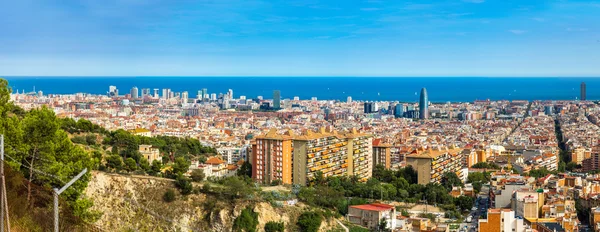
<point>197,175</point>
<point>245,170</point>
<point>247,221</point>
<point>184,184</point>
<point>486,165</point>
<point>114,162</point>
<point>309,221</point>
<point>274,227</point>
<point>464,202</point>
<point>130,164</point>
<point>156,167</point>
<point>144,165</point>
<point>571,166</point>
<point>181,166</point>
<point>90,139</point>
<point>450,179</point>
<point>562,166</point>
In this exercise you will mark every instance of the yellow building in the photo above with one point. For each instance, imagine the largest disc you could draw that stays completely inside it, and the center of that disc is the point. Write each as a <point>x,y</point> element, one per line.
<point>141,132</point>
<point>150,153</point>
<point>431,164</point>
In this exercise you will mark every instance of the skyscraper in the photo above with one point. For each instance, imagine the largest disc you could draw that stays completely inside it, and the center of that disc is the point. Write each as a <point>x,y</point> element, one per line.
<point>349,99</point>
<point>230,93</point>
<point>204,93</point>
<point>399,110</point>
<point>276,99</point>
<point>583,94</point>
<point>155,93</point>
<point>423,105</point>
<point>134,92</point>
<point>184,97</point>
<point>145,92</point>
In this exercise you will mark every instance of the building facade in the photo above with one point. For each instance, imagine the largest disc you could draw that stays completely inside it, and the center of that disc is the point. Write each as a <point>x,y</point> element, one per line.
<point>501,220</point>
<point>381,154</point>
<point>272,158</point>
<point>370,215</point>
<point>431,164</point>
<point>424,104</point>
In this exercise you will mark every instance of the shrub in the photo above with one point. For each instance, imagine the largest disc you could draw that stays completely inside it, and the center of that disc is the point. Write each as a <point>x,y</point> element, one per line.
<point>184,184</point>
<point>197,175</point>
<point>247,221</point>
<point>274,227</point>
<point>169,195</point>
<point>309,221</point>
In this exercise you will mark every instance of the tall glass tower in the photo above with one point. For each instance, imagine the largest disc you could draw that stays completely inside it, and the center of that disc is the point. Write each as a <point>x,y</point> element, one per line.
<point>276,99</point>
<point>423,105</point>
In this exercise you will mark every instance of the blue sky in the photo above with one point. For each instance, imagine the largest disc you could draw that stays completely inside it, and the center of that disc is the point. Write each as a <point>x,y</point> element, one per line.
<point>300,38</point>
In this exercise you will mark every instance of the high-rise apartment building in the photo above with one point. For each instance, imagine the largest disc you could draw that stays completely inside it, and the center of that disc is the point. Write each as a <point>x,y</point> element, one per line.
<point>431,164</point>
<point>297,158</point>
<point>134,93</point>
<point>166,93</point>
<point>155,93</point>
<point>583,91</point>
<point>424,104</point>
<point>184,97</point>
<point>272,158</point>
<point>276,99</point>
<point>349,99</point>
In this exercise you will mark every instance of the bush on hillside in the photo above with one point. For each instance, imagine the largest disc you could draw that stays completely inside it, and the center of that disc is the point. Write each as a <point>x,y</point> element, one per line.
<point>169,196</point>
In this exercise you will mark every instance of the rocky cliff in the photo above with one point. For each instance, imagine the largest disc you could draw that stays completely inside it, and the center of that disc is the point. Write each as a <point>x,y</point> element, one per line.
<point>135,203</point>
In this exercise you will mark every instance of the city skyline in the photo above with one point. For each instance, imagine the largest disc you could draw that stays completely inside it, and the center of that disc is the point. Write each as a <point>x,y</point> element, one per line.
<point>318,38</point>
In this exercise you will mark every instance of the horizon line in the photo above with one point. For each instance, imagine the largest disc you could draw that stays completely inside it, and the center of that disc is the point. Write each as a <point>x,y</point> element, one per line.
<point>298,76</point>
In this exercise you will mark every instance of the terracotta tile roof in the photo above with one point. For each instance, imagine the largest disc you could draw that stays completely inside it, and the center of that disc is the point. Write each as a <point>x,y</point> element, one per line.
<point>373,207</point>
<point>214,161</point>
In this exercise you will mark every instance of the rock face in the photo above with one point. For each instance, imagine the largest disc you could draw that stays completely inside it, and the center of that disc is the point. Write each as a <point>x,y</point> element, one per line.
<point>135,203</point>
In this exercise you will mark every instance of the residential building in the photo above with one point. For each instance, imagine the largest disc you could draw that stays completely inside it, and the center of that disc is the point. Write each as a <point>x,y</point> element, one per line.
<point>595,218</point>
<point>381,154</point>
<point>217,167</point>
<point>431,164</point>
<point>141,132</point>
<point>592,163</point>
<point>272,158</point>
<point>321,151</point>
<point>370,215</point>
<point>150,153</point>
<point>501,220</point>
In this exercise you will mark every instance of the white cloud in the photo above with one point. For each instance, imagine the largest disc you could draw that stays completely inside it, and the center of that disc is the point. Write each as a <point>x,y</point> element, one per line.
<point>517,32</point>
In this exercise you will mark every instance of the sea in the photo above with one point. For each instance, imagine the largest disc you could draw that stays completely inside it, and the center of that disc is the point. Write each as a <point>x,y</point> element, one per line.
<point>404,89</point>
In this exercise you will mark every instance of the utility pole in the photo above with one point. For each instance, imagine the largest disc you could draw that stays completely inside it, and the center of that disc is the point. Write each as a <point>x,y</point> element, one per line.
<point>3,201</point>
<point>59,191</point>
<point>2,174</point>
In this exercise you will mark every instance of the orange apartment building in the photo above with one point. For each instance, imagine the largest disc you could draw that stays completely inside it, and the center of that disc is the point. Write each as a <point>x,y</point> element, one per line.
<point>272,158</point>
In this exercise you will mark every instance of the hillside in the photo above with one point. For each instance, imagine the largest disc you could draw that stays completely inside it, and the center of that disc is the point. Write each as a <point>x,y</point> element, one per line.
<point>135,203</point>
